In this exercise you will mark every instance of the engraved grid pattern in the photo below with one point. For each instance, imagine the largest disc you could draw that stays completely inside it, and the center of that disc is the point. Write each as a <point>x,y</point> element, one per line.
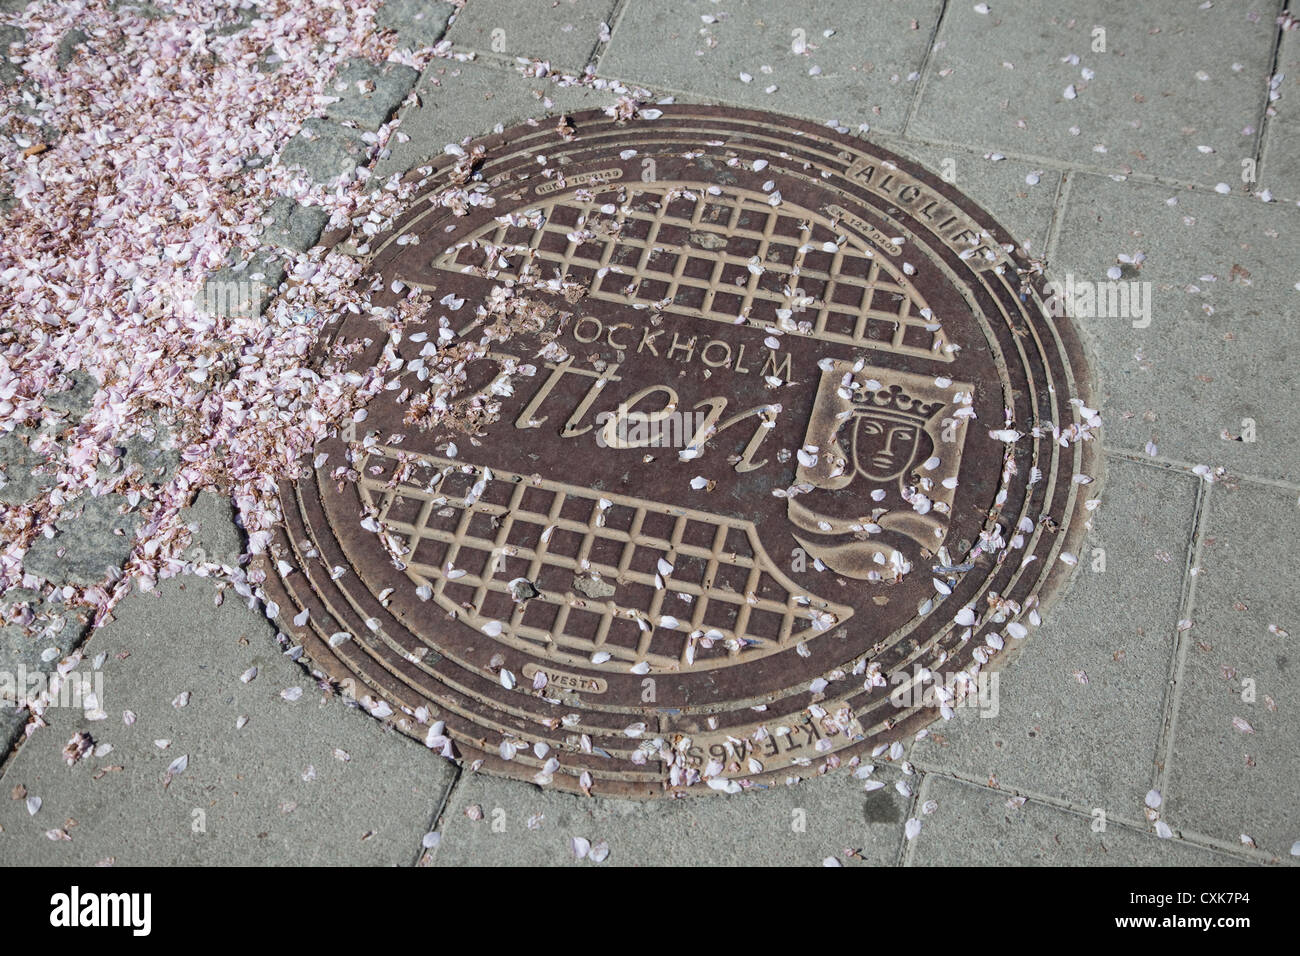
<point>478,556</point>
<point>855,288</point>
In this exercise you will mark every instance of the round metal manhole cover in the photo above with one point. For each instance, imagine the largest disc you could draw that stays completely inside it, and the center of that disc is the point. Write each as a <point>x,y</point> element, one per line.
<point>716,450</point>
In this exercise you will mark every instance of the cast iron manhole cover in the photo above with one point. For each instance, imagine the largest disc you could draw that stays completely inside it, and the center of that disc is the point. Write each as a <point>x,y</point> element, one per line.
<point>718,449</point>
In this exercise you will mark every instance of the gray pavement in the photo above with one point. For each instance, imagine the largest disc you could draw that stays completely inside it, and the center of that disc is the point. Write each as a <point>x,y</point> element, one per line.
<point>273,770</point>
<point>1147,723</point>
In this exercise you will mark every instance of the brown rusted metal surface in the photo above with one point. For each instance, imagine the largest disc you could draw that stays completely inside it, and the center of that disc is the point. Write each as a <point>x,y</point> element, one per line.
<point>688,418</point>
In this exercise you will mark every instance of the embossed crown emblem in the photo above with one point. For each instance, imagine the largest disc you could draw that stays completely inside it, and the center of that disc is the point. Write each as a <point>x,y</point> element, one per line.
<point>893,402</point>
<point>879,435</point>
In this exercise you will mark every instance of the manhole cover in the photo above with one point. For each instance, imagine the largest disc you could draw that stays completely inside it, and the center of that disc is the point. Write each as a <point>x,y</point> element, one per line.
<point>719,449</point>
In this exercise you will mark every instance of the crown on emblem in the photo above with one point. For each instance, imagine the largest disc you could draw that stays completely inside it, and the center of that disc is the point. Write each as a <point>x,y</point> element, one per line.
<point>893,402</point>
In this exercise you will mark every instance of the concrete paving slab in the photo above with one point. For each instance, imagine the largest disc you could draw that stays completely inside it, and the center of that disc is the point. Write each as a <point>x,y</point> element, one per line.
<point>216,537</point>
<point>68,48</point>
<point>1235,762</point>
<point>368,93</point>
<point>308,781</point>
<point>469,99</point>
<point>563,32</point>
<point>75,400</point>
<point>325,151</point>
<point>1210,367</point>
<point>9,71</point>
<point>293,226</point>
<point>418,23</point>
<point>151,9</point>
<point>36,633</point>
<point>494,822</point>
<point>11,727</point>
<point>305,781</point>
<point>1279,170</point>
<point>1078,713</point>
<point>864,71</point>
<point>977,826</point>
<point>93,534</point>
<point>1029,78</point>
<point>18,460</point>
<point>150,455</point>
<point>1020,196</point>
<point>242,289</point>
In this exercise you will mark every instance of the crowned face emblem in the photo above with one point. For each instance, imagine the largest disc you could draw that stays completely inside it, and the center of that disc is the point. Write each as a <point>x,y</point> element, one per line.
<point>879,468</point>
<point>889,433</point>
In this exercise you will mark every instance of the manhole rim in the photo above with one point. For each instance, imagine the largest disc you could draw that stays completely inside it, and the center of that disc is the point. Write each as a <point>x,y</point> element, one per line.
<point>1072,344</point>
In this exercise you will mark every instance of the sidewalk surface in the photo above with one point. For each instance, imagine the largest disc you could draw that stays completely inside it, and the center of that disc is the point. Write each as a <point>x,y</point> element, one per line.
<point>1148,722</point>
